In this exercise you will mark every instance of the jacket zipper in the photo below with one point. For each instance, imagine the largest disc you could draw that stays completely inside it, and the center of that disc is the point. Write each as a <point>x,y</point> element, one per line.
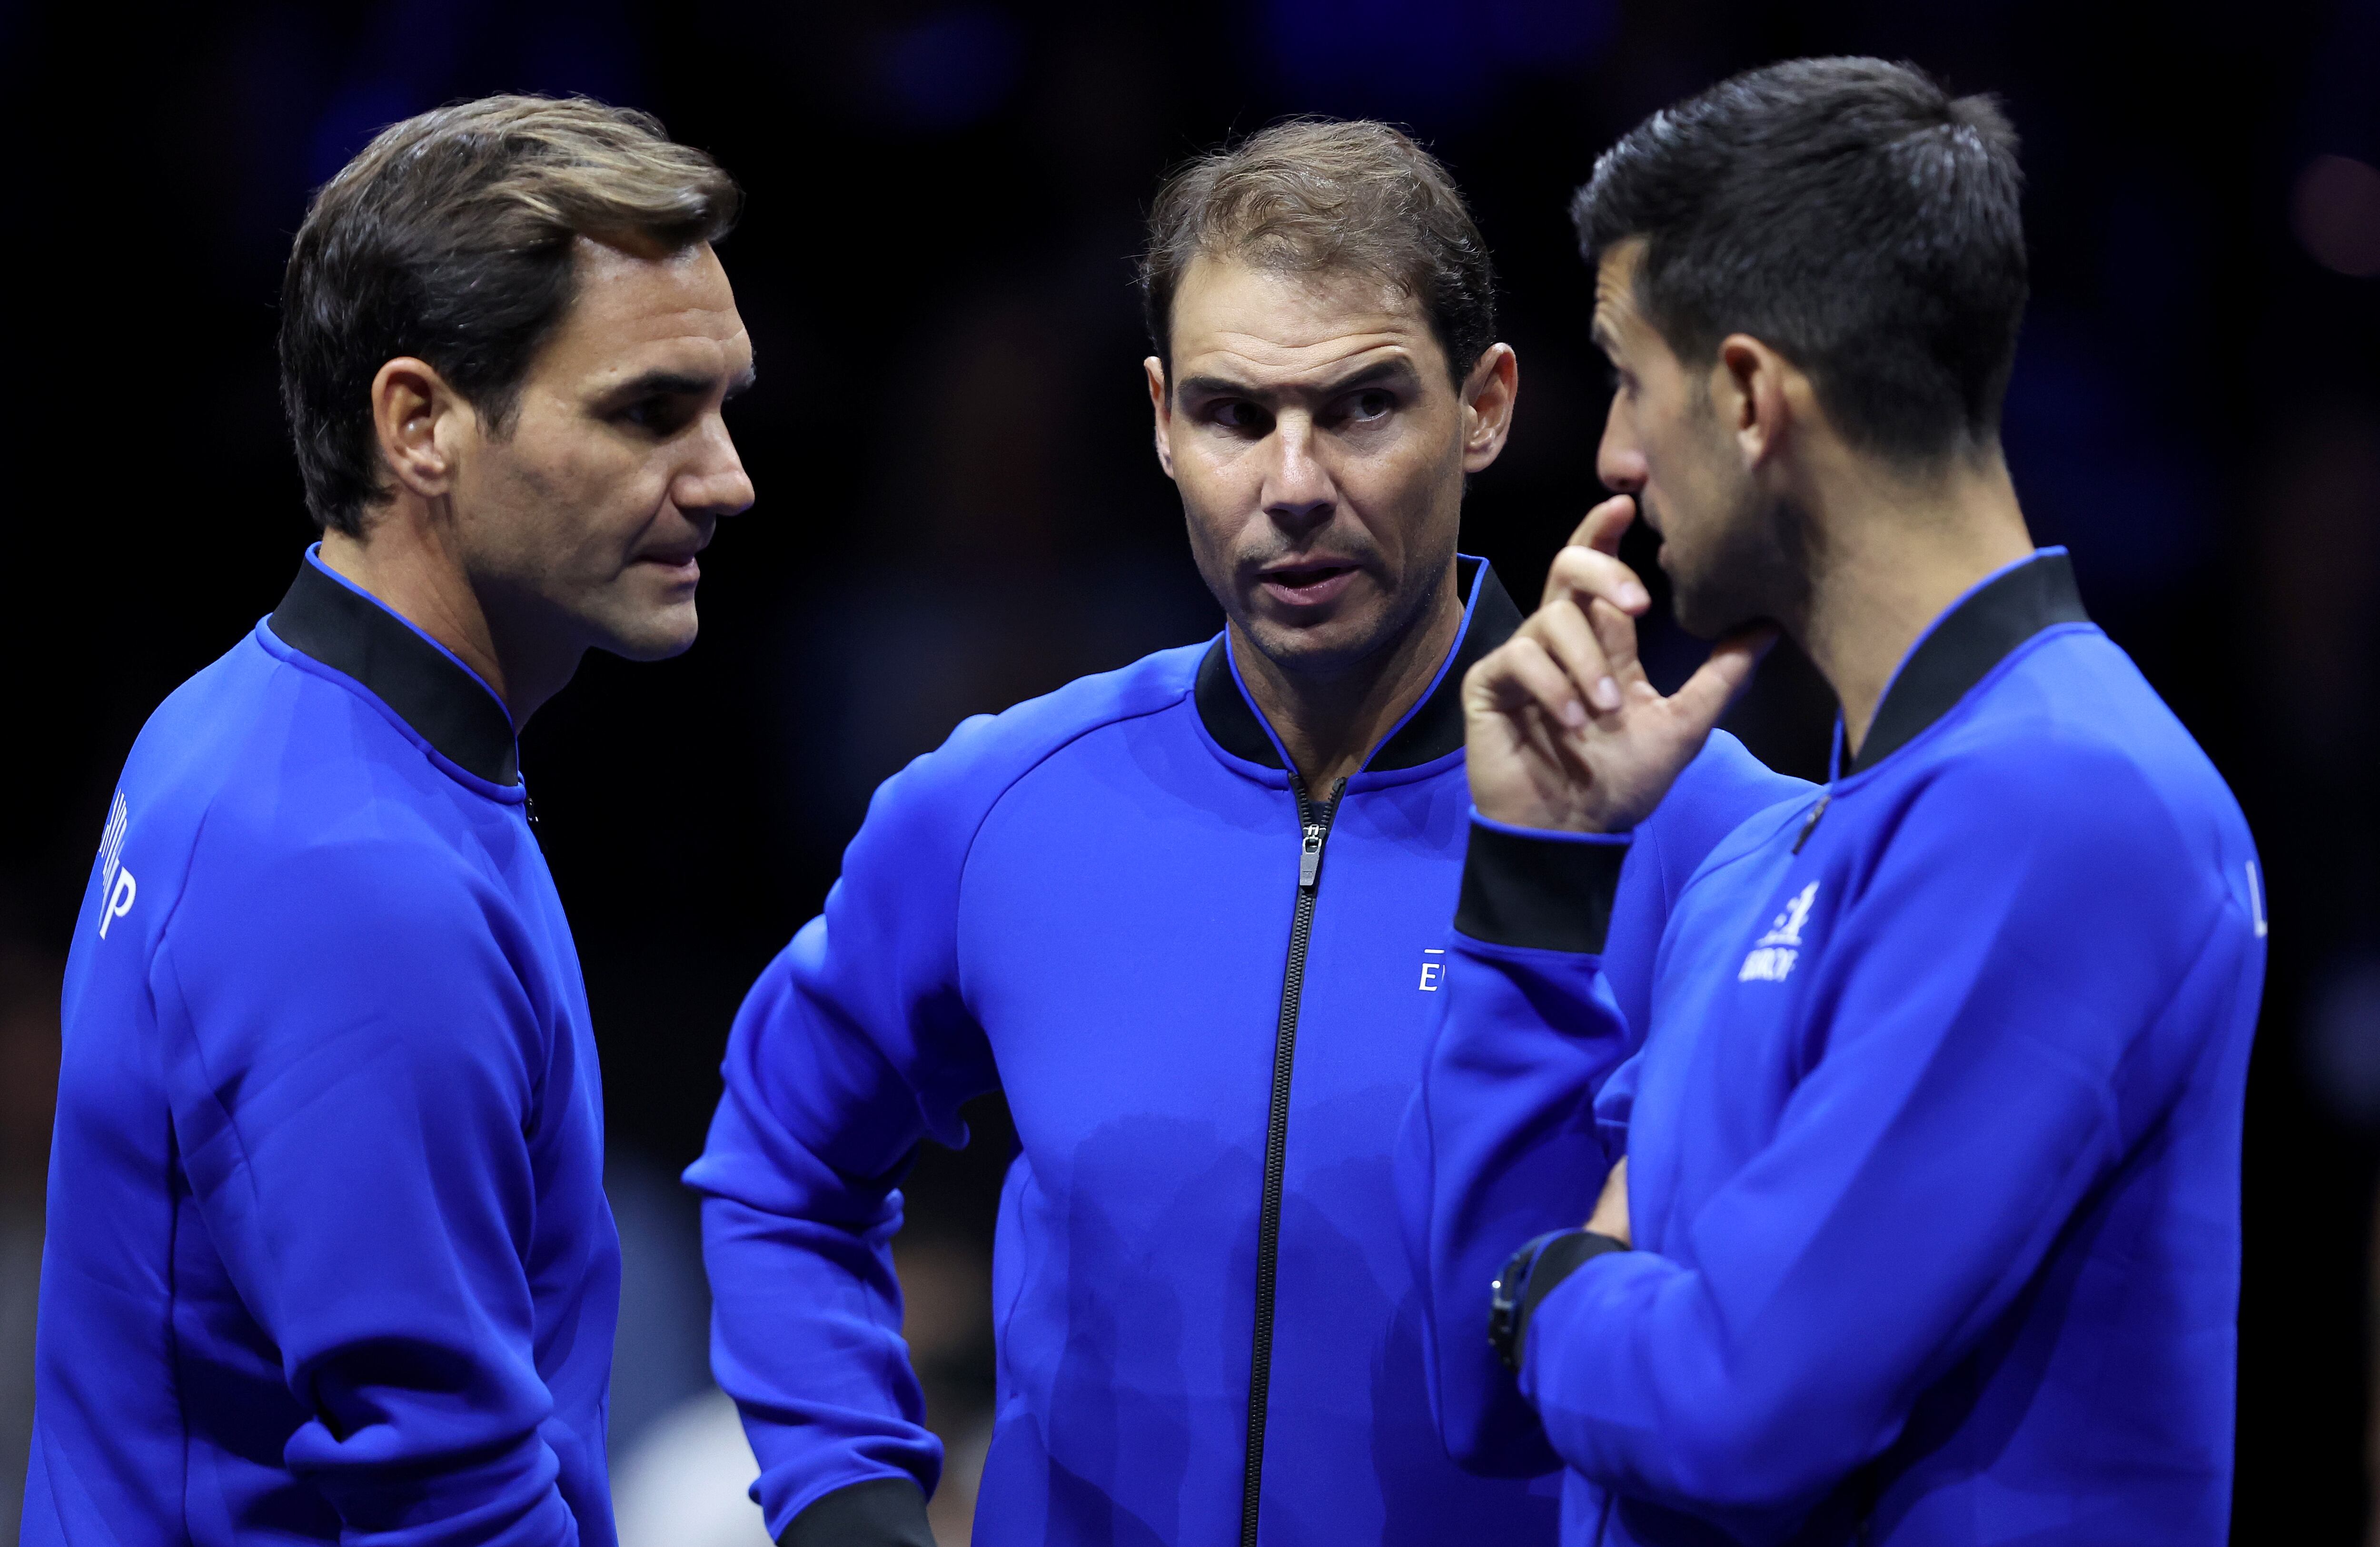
<point>1314,826</point>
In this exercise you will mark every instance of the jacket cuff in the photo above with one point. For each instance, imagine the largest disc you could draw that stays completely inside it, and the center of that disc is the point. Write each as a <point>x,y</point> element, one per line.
<point>881,1512</point>
<point>1539,890</point>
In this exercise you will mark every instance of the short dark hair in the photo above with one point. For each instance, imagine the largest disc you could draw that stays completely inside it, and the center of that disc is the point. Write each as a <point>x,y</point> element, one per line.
<point>1850,214</point>
<point>1312,194</point>
<point>450,238</point>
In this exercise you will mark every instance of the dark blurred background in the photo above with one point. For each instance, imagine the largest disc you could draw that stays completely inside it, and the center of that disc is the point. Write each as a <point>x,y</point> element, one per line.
<point>959,507</point>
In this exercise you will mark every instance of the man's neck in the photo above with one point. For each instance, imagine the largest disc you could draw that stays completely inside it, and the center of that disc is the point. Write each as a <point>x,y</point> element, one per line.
<point>1891,557</point>
<point>406,565</point>
<point>1328,725</point>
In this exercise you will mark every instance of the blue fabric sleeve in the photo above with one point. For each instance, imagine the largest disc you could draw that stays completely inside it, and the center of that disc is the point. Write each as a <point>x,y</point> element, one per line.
<point>1500,1144</point>
<point>1498,1147</point>
<point>1500,1141</point>
<point>1991,1036</point>
<point>352,1062</point>
<point>855,1045</point>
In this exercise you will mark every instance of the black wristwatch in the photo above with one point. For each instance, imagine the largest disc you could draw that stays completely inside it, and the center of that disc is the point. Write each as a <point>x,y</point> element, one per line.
<point>1529,1276</point>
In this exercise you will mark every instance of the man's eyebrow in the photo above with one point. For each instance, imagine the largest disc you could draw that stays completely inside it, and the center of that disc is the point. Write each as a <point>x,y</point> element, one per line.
<point>661,383</point>
<point>1214,386</point>
<point>675,383</point>
<point>1397,368</point>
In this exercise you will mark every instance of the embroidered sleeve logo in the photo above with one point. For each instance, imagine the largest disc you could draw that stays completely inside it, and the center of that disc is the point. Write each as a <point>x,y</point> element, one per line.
<point>117,888</point>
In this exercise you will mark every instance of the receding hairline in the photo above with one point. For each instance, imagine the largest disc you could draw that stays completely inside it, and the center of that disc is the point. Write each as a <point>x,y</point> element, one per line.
<point>1629,252</point>
<point>1315,195</point>
<point>676,266</point>
<point>1391,288</point>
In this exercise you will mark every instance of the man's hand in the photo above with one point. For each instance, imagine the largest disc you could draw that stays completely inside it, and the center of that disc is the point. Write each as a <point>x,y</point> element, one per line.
<point>1611,1216</point>
<point>1562,727</point>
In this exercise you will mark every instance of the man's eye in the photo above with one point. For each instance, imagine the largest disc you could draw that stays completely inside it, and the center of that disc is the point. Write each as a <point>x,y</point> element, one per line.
<point>1239,415</point>
<point>1372,406</point>
<point>662,416</point>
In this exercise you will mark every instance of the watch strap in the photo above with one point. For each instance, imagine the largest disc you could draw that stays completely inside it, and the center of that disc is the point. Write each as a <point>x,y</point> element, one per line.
<point>1534,1273</point>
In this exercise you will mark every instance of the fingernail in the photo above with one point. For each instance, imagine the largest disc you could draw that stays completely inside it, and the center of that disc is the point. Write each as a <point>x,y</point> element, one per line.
<point>1607,694</point>
<point>1573,713</point>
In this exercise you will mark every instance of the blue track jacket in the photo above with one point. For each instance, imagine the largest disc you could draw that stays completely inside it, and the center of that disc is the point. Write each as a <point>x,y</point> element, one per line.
<point>328,1258</point>
<point>1205,993</point>
<point>1933,1142</point>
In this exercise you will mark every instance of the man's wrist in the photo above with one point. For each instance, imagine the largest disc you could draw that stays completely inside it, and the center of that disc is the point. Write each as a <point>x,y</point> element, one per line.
<point>881,1512</point>
<point>1539,889</point>
<point>1531,1274</point>
<point>1551,823</point>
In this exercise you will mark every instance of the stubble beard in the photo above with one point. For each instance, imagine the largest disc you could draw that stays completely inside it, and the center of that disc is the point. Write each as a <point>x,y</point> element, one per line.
<point>1403,609</point>
<point>1756,569</point>
<point>1401,612</point>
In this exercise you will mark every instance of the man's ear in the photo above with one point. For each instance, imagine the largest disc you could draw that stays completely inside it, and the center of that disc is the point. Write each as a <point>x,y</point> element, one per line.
<point>1758,394</point>
<point>416,417</point>
<point>1160,404</point>
<point>1488,395</point>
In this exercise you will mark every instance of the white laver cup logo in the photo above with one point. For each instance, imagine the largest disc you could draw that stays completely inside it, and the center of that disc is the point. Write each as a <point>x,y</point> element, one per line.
<point>116,883</point>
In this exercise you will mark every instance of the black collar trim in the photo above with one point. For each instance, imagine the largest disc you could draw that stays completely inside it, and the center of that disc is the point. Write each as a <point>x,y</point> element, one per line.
<point>1965,644</point>
<point>1429,733</point>
<point>446,705</point>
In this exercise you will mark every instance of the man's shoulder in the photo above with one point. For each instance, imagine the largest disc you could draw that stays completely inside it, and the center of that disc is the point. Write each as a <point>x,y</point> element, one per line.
<point>268,842</point>
<point>1149,685</point>
<point>2072,726</point>
<point>213,713</point>
<point>988,753</point>
<point>257,703</point>
<point>257,765</point>
<point>2069,768</point>
<point>1720,791</point>
<point>1726,783</point>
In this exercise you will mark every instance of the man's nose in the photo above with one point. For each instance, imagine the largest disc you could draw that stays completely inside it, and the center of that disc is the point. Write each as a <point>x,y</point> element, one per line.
<point>716,484</point>
<point>1298,490</point>
<point>1620,460</point>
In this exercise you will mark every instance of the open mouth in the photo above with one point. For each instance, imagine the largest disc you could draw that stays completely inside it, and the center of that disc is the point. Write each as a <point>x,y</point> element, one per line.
<point>1308,584</point>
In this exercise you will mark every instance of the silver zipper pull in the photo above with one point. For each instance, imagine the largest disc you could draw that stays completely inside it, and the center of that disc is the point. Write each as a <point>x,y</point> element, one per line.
<point>1309,861</point>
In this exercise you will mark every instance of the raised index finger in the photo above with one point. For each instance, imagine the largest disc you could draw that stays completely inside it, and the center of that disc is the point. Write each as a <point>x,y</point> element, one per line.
<point>1579,574</point>
<point>1616,631</point>
<point>1604,525</point>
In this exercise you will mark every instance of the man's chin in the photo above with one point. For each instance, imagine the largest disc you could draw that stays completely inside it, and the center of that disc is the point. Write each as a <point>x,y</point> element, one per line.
<point>655,636</point>
<point>1752,567</point>
<point>1321,646</point>
<point>1710,615</point>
